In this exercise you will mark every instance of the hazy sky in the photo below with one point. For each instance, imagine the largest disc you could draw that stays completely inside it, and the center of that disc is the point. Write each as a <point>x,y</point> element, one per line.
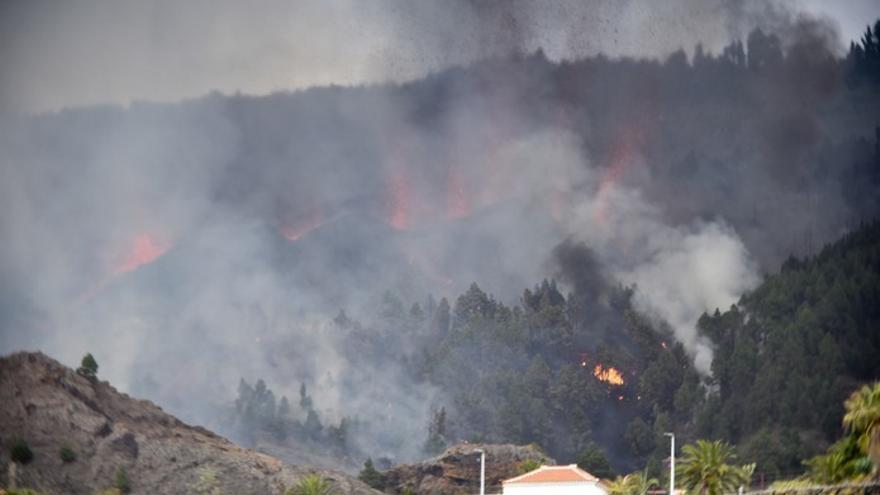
<point>82,52</point>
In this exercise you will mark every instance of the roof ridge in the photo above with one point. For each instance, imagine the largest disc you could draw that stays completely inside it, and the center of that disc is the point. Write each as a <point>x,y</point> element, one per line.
<point>572,468</point>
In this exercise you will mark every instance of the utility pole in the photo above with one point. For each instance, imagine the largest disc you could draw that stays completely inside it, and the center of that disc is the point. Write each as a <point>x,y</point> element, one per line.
<point>671,463</point>
<point>482,471</point>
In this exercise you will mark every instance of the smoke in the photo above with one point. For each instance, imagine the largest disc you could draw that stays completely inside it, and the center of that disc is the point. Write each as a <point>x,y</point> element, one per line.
<point>96,51</point>
<point>189,244</point>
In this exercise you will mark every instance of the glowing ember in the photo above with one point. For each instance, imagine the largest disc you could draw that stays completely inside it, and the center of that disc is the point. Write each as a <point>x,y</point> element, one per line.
<point>608,375</point>
<point>664,345</point>
<point>145,249</point>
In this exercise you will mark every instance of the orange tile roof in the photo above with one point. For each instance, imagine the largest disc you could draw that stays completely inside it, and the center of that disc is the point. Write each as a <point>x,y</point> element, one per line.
<point>554,474</point>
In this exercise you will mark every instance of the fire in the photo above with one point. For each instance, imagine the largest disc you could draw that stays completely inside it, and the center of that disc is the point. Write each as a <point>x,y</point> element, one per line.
<point>145,249</point>
<point>608,375</point>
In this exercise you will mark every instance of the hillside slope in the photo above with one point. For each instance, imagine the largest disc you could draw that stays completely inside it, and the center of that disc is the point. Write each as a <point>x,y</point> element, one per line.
<point>457,470</point>
<point>50,406</point>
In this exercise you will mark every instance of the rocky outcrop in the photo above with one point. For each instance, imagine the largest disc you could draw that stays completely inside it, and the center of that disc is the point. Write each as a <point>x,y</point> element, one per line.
<point>50,407</point>
<point>457,470</point>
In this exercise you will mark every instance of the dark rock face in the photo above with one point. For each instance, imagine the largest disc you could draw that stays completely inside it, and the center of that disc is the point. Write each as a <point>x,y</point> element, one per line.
<point>458,469</point>
<point>50,406</point>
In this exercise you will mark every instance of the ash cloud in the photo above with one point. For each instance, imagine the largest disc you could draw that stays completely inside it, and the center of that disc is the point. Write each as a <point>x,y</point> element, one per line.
<point>685,177</point>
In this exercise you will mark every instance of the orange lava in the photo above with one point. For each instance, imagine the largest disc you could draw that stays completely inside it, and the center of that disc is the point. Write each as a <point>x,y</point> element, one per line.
<point>144,249</point>
<point>608,375</point>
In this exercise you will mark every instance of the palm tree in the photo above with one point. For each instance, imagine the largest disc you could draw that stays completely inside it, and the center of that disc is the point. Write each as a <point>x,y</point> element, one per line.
<point>636,483</point>
<point>704,469</point>
<point>862,418</point>
<point>843,461</point>
<point>312,485</point>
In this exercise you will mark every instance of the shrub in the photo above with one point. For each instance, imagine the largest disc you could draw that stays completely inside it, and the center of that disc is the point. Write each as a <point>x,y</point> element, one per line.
<point>123,484</point>
<point>371,476</point>
<point>527,465</point>
<point>21,452</point>
<point>88,367</point>
<point>312,484</point>
<point>66,454</point>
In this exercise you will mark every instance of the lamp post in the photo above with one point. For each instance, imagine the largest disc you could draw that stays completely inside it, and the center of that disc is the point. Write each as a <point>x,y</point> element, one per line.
<point>482,471</point>
<point>671,463</point>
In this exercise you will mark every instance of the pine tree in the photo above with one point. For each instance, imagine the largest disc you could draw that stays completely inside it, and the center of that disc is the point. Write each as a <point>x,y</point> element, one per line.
<point>88,367</point>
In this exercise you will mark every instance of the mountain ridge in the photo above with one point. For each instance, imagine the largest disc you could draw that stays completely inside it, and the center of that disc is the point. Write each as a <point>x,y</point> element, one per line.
<point>51,407</point>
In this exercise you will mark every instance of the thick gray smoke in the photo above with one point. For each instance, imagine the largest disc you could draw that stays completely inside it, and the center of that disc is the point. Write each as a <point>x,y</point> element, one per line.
<point>190,244</point>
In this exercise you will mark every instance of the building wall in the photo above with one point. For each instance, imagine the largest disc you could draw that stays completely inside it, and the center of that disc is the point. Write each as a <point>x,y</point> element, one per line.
<point>571,488</point>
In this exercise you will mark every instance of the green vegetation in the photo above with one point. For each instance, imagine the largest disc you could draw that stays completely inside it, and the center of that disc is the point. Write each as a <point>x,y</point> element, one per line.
<point>21,452</point>
<point>593,461</point>
<point>122,483</point>
<point>66,454</point>
<point>527,465</point>
<point>791,351</point>
<point>312,484</point>
<point>208,483</point>
<point>863,420</point>
<point>637,483</point>
<point>88,367</point>
<point>787,354</point>
<point>371,476</point>
<point>705,469</point>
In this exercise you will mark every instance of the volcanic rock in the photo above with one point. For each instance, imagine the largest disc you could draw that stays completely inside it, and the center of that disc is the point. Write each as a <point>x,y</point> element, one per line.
<point>457,470</point>
<point>50,407</point>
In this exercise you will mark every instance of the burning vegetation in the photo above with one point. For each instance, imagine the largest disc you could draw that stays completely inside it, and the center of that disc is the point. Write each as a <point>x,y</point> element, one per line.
<point>608,375</point>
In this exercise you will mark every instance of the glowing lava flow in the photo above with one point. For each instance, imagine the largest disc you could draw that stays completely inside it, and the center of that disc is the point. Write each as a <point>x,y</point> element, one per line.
<point>145,249</point>
<point>608,375</point>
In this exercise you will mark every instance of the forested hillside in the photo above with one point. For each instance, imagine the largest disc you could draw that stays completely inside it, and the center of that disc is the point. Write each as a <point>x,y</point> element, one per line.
<point>585,376</point>
<point>792,350</point>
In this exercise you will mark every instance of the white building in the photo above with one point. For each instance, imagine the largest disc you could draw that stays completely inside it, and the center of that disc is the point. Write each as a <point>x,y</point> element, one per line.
<point>554,480</point>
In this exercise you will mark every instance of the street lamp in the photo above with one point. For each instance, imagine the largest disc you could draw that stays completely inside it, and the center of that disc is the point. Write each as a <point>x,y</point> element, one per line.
<point>482,471</point>
<point>671,463</point>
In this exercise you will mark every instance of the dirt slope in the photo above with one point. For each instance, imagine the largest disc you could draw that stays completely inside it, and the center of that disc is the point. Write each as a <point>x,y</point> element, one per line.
<point>50,406</point>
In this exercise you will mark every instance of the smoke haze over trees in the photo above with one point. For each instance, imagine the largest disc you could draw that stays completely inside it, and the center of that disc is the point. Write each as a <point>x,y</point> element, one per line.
<point>349,262</point>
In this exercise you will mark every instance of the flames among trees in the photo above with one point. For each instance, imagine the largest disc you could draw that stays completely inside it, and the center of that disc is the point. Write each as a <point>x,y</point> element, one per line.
<point>608,375</point>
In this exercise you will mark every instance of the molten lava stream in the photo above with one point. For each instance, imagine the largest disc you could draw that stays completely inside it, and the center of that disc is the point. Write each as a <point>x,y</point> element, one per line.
<point>145,249</point>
